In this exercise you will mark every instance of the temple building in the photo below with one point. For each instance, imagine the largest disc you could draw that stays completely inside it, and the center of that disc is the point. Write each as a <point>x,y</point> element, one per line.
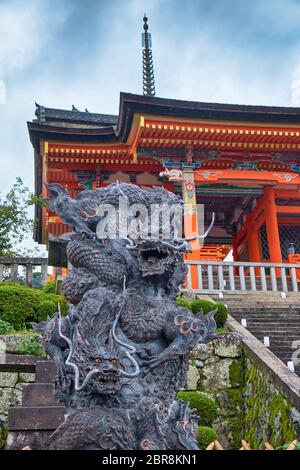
<point>241,162</point>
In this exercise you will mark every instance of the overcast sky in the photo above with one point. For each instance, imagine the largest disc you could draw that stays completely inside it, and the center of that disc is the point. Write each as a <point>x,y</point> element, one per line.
<point>64,52</point>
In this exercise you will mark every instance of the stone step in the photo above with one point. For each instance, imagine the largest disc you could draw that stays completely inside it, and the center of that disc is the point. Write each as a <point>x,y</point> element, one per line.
<point>280,313</point>
<point>19,363</point>
<point>278,344</point>
<point>263,306</point>
<point>260,323</point>
<point>276,334</point>
<point>261,297</point>
<point>265,321</point>
<point>35,418</point>
<point>272,328</point>
<point>281,350</point>
<point>265,300</point>
<point>264,316</point>
<point>287,342</point>
<point>38,394</point>
<point>280,323</point>
<point>45,372</point>
<point>284,357</point>
<point>281,327</point>
<point>266,311</point>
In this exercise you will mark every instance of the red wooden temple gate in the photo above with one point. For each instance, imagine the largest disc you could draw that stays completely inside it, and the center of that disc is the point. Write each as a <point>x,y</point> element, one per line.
<point>241,162</point>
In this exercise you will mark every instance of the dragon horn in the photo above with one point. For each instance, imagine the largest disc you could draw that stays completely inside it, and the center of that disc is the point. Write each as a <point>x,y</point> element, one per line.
<point>132,350</point>
<point>201,237</point>
<point>77,387</point>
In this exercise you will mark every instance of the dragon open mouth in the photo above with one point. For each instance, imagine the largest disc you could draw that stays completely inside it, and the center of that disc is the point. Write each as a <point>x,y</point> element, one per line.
<point>154,258</point>
<point>107,382</point>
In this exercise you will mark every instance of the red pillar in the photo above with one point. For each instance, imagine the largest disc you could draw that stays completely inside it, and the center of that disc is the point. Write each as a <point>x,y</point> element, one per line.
<point>191,219</point>
<point>253,245</point>
<point>272,226</point>
<point>235,247</point>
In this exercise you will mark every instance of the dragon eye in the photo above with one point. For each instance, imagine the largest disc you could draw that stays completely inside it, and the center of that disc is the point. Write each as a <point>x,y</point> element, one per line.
<point>97,360</point>
<point>114,361</point>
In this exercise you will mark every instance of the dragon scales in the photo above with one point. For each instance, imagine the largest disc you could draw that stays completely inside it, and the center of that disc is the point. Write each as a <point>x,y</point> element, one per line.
<point>122,350</point>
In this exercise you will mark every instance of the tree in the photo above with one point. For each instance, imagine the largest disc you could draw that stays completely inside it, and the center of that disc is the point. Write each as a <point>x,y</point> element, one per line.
<point>15,223</point>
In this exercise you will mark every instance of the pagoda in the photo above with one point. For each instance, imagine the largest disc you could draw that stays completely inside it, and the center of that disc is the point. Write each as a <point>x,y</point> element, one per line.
<point>241,162</point>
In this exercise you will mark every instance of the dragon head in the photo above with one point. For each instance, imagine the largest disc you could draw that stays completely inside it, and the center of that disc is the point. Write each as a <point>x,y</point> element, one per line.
<point>105,364</point>
<point>156,257</point>
<point>58,195</point>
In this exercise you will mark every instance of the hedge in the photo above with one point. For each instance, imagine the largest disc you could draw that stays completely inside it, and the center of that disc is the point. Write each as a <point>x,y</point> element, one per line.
<point>20,304</point>
<point>58,299</point>
<point>46,308</point>
<point>5,328</point>
<point>198,305</point>
<point>206,436</point>
<point>50,287</point>
<point>184,303</point>
<point>205,407</point>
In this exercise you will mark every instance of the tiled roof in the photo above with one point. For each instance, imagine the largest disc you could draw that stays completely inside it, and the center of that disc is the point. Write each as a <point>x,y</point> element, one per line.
<point>45,115</point>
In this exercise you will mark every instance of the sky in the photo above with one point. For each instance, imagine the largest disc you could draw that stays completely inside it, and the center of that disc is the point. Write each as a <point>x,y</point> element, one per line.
<point>64,52</point>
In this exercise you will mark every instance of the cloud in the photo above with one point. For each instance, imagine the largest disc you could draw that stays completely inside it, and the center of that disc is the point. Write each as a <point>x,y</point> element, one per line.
<point>64,52</point>
<point>25,32</point>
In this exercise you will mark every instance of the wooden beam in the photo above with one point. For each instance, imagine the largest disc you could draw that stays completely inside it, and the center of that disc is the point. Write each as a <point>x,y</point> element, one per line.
<point>288,209</point>
<point>255,218</point>
<point>287,193</point>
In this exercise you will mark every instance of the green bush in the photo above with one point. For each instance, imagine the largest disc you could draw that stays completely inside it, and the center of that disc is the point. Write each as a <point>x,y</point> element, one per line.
<point>206,436</point>
<point>46,308</point>
<point>206,306</point>
<point>20,304</point>
<point>9,283</point>
<point>201,304</point>
<point>17,303</point>
<point>221,315</point>
<point>50,287</point>
<point>5,328</point>
<point>31,345</point>
<point>184,303</point>
<point>58,299</point>
<point>205,407</point>
<point>198,305</point>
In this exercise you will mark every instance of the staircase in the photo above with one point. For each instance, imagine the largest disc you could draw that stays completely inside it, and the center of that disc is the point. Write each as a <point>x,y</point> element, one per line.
<point>279,319</point>
<point>40,414</point>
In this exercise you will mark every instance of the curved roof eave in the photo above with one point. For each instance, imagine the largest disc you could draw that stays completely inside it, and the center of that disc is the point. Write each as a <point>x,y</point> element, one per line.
<point>131,104</point>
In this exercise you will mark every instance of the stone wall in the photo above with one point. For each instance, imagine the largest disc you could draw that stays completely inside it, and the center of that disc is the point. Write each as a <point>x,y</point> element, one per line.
<point>258,397</point>
<point>216,369</point>
<point>268,414</point>
<point>10,395</point>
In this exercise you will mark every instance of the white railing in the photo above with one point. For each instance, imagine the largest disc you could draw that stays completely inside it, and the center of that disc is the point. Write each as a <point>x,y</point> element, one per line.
<point>238,277</point>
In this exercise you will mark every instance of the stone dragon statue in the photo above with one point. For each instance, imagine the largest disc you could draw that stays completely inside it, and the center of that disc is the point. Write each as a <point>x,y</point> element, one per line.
<point>122,350</point>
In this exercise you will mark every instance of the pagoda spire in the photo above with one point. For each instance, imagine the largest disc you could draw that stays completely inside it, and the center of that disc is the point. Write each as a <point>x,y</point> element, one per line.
<point>148,70</point>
